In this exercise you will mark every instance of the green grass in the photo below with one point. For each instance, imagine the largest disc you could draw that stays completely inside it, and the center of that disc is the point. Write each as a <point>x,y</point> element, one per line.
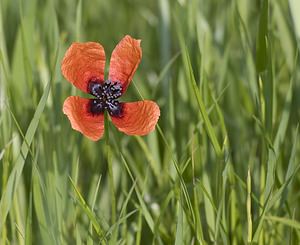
<point>222,166</point>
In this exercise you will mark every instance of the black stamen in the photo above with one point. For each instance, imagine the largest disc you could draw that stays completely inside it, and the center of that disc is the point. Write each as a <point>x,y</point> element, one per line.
<point>106,95</point>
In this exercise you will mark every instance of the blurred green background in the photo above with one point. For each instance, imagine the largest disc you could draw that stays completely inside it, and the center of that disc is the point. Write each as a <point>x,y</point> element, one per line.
<point>221,166</point>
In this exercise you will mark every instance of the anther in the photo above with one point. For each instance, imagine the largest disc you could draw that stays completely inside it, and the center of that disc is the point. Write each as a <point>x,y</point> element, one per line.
<point>106,95</point>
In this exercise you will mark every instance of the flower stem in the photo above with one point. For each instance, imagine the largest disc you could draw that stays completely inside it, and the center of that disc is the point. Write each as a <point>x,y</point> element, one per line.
<point>249,213</point>
<point>110,168</point>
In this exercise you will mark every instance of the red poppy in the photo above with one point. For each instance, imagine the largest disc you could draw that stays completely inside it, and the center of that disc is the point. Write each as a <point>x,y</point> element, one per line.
<point>83,65</point>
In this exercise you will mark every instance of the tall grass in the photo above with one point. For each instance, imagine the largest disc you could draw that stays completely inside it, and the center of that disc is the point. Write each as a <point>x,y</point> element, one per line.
<point>221,166</point>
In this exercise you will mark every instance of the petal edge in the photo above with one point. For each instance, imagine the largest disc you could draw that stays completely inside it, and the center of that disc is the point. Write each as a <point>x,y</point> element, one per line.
<point>83,62</point>
<point>124,61</point>
<point>76,109</point>
<point>139,118</point>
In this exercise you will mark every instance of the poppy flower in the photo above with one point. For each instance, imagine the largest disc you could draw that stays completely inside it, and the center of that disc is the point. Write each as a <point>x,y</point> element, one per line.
<point>83,65</point>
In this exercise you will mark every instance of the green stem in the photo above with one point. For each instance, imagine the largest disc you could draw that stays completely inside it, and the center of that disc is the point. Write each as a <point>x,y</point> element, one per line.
<point>249,213</point>
<point>110,169</point>
<point>263,155</point>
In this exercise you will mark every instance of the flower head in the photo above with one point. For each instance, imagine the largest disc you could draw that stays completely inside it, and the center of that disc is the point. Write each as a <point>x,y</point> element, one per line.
<point>83,65</point>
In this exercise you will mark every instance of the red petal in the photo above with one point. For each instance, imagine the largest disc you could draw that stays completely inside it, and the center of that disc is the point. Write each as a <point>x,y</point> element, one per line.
<point>83,62</point>
<point>124,61</point>
<point>76,109</point>
<point>138,118</point>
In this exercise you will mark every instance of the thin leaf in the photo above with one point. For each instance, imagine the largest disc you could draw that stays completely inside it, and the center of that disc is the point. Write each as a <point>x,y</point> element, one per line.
<point>14,177</point>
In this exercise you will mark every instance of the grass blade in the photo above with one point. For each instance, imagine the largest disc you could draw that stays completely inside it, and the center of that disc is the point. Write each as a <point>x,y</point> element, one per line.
<point>88,211</point>
<point>261,43</point>
<point>14,177</point>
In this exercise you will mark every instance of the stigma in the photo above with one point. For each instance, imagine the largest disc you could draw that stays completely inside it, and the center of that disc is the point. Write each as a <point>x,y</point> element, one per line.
<point>107,95</point>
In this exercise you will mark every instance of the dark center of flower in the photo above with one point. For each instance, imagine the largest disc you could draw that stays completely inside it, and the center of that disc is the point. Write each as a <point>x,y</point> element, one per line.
<point>107,95</point>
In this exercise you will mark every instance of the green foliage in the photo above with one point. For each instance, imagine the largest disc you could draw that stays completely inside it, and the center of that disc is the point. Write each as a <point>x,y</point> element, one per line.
<point>221,166</point>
